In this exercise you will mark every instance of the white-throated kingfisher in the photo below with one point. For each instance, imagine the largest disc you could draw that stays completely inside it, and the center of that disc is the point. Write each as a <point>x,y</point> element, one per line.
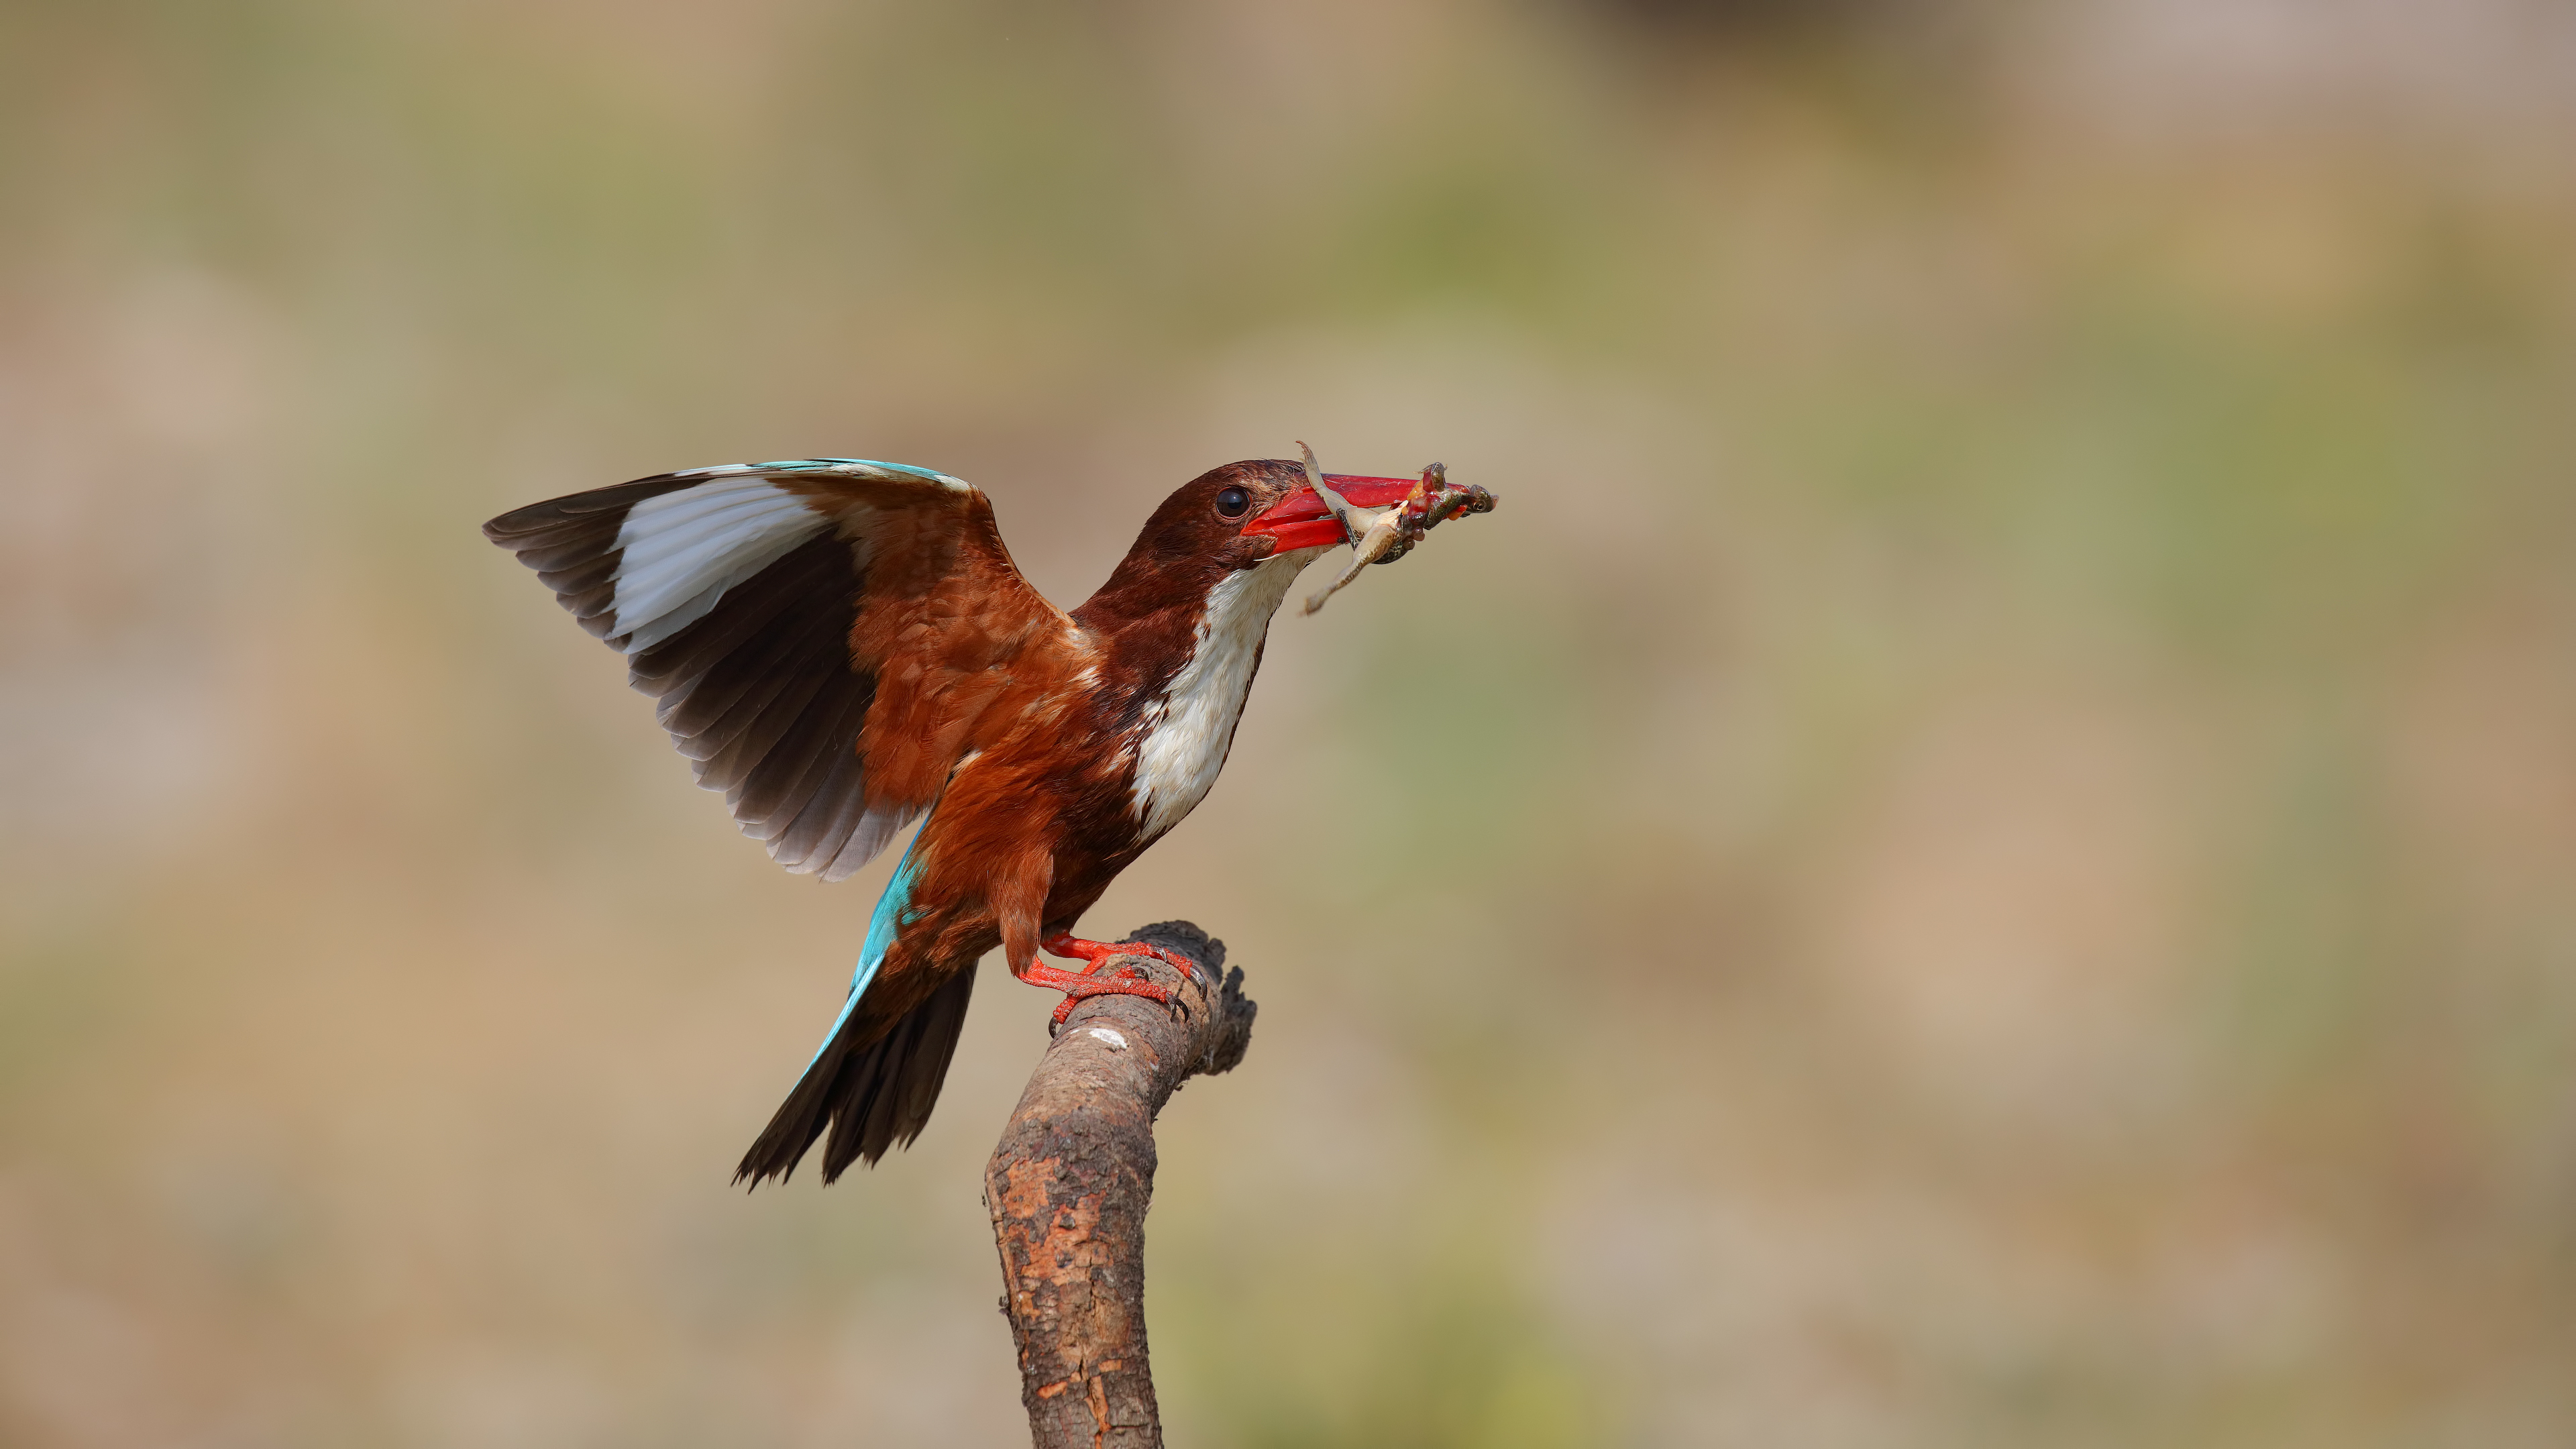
<point>844,646</point>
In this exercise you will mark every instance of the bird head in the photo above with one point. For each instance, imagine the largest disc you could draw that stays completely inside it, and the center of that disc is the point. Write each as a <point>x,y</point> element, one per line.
<point>1246,514</point>
<point>1243,516</point>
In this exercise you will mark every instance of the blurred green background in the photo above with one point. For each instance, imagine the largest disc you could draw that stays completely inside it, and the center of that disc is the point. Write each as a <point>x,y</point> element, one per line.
<point>1983,853</point>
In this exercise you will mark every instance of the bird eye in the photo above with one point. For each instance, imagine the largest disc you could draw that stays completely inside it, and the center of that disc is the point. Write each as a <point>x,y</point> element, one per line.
<point>1233,502</point>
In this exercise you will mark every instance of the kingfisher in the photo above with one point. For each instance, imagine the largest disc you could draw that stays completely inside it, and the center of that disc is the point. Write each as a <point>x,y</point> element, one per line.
<point>843,646</point>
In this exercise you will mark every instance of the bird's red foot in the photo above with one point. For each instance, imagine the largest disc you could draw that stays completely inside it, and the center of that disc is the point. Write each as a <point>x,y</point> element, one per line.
<point>1080,986</point>
<point>1095,952</point>
<point>1125,983</point>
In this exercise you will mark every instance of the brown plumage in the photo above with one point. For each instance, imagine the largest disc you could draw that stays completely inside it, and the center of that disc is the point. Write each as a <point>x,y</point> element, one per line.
<point>842,646</point>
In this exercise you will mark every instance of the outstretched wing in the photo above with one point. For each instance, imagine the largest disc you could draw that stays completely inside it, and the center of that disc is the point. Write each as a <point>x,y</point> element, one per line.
<point>826,637</point>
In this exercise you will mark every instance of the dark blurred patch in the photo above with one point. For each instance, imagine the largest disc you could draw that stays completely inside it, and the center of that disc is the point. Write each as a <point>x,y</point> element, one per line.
<point>1758,22</point>
<point>1907,69</point>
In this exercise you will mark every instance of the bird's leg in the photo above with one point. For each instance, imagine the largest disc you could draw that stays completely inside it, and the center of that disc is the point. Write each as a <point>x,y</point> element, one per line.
<point>1080,986</point>
<point>1018,895</point>
<point>1065,943</point>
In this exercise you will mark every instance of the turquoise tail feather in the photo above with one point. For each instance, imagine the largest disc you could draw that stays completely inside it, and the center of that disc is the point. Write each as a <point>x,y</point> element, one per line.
<point>870,1095</point>
<point>893,913</point>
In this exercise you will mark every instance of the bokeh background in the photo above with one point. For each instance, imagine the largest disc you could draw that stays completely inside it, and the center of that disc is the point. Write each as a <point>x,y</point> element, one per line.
<point>1983,853</point>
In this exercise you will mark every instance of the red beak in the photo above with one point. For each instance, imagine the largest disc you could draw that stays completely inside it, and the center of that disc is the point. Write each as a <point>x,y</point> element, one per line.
<point>1304,520</point>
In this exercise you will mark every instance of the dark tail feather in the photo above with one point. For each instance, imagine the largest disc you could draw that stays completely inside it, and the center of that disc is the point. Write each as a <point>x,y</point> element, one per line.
<point>873,1097</point>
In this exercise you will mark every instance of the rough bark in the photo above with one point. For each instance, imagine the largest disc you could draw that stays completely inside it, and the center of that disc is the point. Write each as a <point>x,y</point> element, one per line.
<point>1070,1181</point>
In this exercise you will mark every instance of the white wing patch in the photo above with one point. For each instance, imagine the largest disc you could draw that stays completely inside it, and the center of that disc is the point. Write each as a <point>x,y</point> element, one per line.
<point>1188,730</point>
<point>681,551</point>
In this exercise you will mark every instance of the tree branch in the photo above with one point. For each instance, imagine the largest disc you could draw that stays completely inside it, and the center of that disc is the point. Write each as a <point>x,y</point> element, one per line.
<point>1070,1181</point>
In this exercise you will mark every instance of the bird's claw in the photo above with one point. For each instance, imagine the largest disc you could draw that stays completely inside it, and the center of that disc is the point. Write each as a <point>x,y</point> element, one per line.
<point>1125,981</point>
<point>1173,959</point>
<point>1081,986</point>
<point>1096,954</point>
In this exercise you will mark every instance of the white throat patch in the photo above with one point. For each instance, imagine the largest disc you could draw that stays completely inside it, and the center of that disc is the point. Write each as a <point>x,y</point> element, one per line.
<point>1188,730</point>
